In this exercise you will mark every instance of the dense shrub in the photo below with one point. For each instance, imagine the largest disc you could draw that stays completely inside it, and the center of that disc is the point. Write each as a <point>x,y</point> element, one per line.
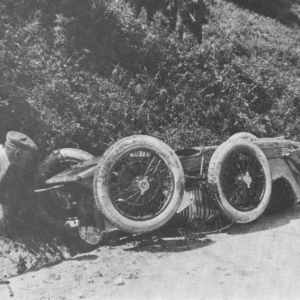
<point>85,73</point>
<point>281,10</point>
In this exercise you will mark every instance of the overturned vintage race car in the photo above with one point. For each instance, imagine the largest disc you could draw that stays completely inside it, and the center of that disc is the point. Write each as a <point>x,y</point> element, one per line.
<point>140,184</point>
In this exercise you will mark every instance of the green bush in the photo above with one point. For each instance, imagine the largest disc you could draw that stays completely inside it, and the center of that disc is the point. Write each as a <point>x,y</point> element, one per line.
<point>281,10</point>
<point>84,74</point>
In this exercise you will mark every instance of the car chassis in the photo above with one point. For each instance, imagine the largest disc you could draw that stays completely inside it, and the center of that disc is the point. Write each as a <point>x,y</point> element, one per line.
<point>139,184</point>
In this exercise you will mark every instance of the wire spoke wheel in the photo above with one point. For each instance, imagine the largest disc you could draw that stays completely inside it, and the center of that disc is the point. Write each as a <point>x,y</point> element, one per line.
<point>139,184</point>
<point>243,180</point>
<point>240,180</point>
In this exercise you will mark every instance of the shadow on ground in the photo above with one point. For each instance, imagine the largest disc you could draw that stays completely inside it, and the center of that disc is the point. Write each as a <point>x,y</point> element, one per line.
<point>37,246</point>
<point>196,236</point>
<point>169,239</point>
<point>267,222</point>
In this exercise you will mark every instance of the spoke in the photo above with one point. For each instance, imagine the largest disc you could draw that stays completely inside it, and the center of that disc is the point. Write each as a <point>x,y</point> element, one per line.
<point>238,196</point>
<point>240,168</point>
<point>132,206</point>
<point>231,198</point>
<point>252,162</point>
<point>255,166</point>
<point>230,186</point>
<point>247,163</point>
<point>141,211</point>
<point>256,173</point>
<point>160,175</point>
<point>140,164</point>
<point>242,193</point>
<point>232,166</point>
<point>229,179</point>
<point>155,168</point>
<point>149,166</point>
<point>242,160</point>
<point>120,203</point>
<point>127,190</point>
<point>258,185</point>
<point>125,201</point>
<point>234,196</point>
<point>127,167</point>
<point>247,197</point>
<point>131,196</point>
<point>133,169</point>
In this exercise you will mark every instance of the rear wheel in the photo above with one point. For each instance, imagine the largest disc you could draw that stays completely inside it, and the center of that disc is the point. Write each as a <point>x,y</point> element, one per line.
<point>240,180</point>
<point>139,184</point>
<point>58,207</point>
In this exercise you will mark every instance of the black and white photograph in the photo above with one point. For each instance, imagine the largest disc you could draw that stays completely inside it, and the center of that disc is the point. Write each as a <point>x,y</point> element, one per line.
<point>149,149</point>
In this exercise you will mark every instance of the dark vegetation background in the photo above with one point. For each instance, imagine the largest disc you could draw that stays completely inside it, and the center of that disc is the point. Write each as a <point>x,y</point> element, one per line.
<point>83,74</point>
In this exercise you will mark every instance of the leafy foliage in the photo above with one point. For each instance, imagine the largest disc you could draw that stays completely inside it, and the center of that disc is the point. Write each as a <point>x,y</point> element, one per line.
<point>86,73</point>
<point>281,10</point>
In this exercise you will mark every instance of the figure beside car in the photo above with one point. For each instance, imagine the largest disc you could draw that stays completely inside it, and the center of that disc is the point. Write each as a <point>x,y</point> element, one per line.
<point>15,154</point>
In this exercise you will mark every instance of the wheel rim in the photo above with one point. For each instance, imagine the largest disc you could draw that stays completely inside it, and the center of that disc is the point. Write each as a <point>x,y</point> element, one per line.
<point>243,180</point>
<point>140,184</point>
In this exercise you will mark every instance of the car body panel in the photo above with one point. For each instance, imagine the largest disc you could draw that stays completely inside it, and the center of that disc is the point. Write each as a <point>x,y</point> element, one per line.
<point>197,203</point>
<point>81,173</point>
<point>196,158</point>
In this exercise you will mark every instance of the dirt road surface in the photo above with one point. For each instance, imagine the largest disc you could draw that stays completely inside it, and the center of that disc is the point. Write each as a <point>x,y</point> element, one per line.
<point>260,260</point>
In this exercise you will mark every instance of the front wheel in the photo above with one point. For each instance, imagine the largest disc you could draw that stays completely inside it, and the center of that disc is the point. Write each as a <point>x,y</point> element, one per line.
<point>240,180</point>
<point>139,184</point>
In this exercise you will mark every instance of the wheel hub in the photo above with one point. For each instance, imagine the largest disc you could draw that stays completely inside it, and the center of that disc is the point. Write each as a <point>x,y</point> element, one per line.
<point>245,178</point>
<point>142,183</point>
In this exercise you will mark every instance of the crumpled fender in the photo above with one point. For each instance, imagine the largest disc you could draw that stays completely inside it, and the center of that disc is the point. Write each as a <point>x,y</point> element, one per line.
<point>48,168</point>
